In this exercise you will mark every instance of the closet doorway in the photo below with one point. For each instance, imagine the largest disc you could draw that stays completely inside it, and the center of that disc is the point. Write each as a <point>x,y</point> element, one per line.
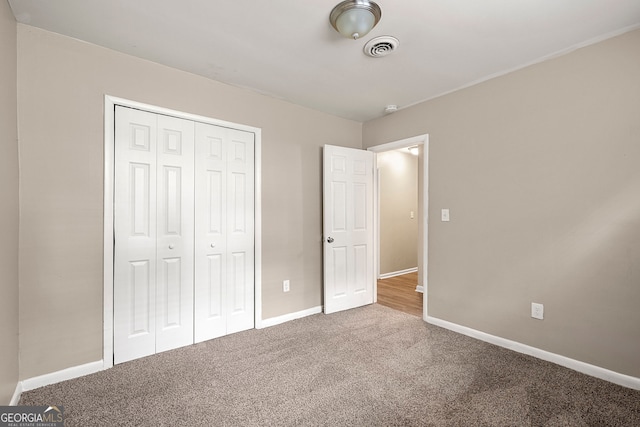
<point>184,230</point>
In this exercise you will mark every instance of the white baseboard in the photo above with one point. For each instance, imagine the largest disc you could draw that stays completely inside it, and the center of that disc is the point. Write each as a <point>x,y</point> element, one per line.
<point>16,395</point>
<point>420,289</point>
<point>398,273</point>
<point>63,375</point>
<point>291,316</point>
<point>576,365</point>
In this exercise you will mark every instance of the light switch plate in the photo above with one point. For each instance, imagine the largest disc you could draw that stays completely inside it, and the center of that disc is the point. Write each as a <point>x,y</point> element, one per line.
<point>445,215</point>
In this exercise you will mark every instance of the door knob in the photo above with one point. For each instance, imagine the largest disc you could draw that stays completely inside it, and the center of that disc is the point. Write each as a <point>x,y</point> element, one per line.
<point>171,246</point>
<point>213,245</point>
<point>330,239</point>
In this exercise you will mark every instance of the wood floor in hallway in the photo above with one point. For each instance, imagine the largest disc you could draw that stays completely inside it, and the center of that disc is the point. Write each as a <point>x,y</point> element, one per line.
<point>399,293</point>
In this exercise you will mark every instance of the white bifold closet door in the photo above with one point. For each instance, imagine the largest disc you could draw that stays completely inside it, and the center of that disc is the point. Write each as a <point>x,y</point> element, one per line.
<point>154,235</point>
<point>224,255</point>
<point>183,230</point>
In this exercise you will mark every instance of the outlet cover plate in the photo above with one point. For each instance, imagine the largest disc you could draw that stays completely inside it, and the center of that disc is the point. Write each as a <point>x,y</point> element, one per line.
<point>537,310</point>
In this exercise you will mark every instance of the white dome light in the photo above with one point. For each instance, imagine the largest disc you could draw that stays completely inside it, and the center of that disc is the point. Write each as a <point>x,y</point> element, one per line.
<point>355,18</point>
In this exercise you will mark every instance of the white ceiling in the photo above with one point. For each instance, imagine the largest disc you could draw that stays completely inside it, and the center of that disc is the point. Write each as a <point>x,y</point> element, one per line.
<point>287,49</point>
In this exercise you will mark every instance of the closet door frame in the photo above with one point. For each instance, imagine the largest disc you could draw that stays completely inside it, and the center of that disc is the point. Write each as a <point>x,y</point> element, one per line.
<point>109,174</point>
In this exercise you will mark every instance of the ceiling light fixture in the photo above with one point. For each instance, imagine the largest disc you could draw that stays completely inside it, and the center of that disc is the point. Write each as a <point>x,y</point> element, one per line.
<point>355,18</point>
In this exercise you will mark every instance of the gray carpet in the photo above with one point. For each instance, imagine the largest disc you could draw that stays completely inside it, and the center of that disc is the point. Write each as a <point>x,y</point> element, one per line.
<point>371,366</point>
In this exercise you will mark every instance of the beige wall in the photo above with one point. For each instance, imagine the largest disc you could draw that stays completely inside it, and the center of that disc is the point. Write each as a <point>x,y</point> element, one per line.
<point>541,171</point>
<point>8,207</point>
<point>398,189</point>
<point>61,85</point>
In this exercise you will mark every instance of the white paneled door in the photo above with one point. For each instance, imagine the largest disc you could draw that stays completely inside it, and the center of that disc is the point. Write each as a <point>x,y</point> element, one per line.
<point>224,231</point>
<point>134,292</point>
<point>348,228</point>
<point>183,230</point>
<point>174,239</point>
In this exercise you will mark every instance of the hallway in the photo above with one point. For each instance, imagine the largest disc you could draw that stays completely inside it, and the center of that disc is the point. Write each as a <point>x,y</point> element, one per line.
<point>399,293</point>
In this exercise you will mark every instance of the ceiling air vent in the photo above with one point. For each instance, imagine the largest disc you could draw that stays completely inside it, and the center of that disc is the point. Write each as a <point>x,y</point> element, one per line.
<point>381,46</point>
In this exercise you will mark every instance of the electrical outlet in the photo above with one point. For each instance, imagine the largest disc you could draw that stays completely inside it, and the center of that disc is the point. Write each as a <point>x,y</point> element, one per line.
<point>285,285</point>
<point>537,310</point>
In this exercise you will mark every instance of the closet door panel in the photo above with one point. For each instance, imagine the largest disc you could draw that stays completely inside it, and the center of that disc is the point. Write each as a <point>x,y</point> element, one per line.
<point>175,233</point>
<point>134,290</point>
<point>211,237</point>
<point>240,230</point>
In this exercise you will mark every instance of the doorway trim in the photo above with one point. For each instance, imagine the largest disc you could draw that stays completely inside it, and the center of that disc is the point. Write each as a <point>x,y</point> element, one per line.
<point>108,240</point>
<point>423,141</point>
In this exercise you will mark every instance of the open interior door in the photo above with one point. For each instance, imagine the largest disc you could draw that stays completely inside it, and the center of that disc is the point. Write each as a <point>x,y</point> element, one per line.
<point>348,228</point>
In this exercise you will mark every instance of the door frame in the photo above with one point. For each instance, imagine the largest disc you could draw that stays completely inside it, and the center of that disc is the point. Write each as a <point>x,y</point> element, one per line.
<point>423,217</point>
<point>108,240</point>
